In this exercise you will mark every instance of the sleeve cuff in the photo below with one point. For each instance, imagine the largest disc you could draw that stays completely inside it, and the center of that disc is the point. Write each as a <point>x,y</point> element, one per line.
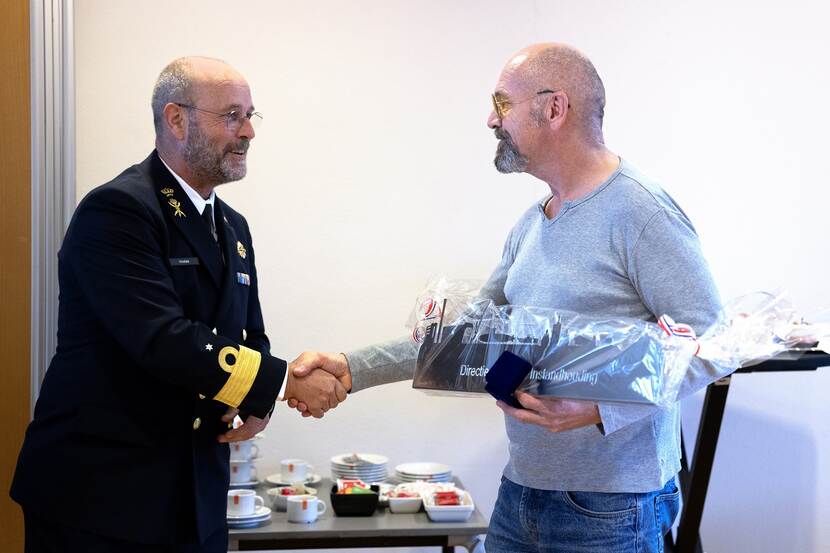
<point>268,382</point>
<point>281,395</point>
<point>615,417</point>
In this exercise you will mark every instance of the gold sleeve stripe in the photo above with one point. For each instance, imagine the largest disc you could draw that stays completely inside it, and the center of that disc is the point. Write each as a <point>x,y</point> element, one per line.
<point>243,372</point>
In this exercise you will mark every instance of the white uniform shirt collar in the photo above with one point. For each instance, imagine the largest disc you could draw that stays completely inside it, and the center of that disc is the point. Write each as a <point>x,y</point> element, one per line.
<point>198,202</point>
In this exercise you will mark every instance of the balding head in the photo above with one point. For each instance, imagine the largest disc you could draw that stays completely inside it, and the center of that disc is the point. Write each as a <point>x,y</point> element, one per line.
<point>182,81</point>
<point>562,67</point>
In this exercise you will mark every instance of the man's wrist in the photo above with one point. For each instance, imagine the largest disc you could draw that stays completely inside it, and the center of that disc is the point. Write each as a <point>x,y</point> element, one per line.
<point>346,379</point>
<point>283,393</point>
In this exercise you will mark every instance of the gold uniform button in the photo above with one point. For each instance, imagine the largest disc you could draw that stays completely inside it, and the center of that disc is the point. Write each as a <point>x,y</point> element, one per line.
<point>197,422</point>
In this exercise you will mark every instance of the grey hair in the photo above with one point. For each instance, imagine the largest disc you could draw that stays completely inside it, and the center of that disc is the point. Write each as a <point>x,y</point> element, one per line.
<point>568,69</point>
<point>173,85</point>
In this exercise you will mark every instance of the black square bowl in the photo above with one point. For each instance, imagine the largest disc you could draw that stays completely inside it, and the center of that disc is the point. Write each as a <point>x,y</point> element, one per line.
<point>355,505</point>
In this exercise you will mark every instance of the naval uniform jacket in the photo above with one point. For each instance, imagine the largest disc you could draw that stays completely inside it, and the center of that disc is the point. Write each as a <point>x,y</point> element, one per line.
<point>157,336</point>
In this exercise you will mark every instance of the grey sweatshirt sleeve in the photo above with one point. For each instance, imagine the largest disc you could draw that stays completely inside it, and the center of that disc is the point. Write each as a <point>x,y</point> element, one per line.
<point>384,363</point>
<point>667,267</point>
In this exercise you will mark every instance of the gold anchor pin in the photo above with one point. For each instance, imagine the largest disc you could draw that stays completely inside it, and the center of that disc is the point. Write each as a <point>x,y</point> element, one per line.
<point>177,206</point>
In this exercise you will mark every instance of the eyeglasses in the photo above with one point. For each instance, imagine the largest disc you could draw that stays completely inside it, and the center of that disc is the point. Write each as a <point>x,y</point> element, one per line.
<point>502,107</point>
<point>234,119</point>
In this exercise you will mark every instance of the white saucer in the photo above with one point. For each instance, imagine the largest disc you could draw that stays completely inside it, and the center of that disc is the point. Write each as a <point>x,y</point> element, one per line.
<point>243,485</point>
<point>256,523</point>
<point>261,512</point>
<point>276,479</point>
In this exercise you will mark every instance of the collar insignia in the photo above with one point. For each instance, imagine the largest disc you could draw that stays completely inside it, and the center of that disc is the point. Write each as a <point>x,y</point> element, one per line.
<point>177,206</point>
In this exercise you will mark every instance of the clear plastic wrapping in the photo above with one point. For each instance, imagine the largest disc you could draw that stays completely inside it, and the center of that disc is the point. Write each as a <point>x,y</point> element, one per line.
<point>463,339</point>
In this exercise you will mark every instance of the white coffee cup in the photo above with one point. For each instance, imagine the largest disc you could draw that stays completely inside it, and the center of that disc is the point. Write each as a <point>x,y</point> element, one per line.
<point>304,508</point>
<point>294,470</point>
<point>243,502</point>
<point>244,451</point>
<point>242,472</point>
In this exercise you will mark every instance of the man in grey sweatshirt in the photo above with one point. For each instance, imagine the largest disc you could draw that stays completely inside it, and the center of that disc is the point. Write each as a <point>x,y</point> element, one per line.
<point>607,241</point>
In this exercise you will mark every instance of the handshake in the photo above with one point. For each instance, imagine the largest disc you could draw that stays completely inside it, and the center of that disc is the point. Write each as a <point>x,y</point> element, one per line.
<point>317,382</point>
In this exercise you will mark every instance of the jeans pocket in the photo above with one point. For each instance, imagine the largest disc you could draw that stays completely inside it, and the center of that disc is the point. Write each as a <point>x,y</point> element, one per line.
<point>602,505</point>
<point>666,508</point>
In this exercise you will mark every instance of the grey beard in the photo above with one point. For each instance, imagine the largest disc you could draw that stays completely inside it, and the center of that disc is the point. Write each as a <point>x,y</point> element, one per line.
<point>508,158</point>
<point>210,166</point>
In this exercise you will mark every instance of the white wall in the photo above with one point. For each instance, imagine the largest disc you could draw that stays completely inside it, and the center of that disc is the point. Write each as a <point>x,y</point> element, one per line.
<point>373,170</point>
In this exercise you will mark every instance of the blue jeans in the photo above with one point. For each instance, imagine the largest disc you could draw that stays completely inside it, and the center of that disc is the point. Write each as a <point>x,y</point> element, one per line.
<point>544,521</point>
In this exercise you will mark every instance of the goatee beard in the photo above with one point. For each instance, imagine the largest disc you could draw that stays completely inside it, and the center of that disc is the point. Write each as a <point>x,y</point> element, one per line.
<point>508,158</point>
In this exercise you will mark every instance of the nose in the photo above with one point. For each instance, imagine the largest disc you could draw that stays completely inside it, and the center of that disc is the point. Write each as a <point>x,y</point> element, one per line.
<point>493,120</point>
<point>246,130</point>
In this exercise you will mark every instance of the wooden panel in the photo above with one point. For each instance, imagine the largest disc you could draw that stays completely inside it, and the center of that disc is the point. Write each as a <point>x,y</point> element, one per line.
<point>15,255</point>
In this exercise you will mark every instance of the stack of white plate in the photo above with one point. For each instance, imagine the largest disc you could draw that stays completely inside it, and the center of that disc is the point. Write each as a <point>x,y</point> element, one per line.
<point>426,472</point>
<point>368,467</point>
<point>260,517</point>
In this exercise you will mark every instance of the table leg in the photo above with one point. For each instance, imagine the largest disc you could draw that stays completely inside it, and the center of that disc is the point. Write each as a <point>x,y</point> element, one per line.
<point>697,484</point>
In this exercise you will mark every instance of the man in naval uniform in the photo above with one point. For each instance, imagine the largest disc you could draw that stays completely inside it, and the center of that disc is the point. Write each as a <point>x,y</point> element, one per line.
<point>160,341</point>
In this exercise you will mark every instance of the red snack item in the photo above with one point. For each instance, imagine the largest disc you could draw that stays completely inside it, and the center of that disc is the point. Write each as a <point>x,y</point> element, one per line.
<point>288,491</point>
<point>446,498</point>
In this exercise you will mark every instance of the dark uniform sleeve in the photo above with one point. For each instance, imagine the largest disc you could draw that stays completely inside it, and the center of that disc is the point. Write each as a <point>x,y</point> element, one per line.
<point>115,252</point>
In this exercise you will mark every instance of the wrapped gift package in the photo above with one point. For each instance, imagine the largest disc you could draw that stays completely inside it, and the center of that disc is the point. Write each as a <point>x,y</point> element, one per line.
<point>469,345</point>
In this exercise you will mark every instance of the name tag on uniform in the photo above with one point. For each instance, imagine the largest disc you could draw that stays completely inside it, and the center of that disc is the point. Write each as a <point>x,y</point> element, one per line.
<point>243,279</point>
<point>183,261</point>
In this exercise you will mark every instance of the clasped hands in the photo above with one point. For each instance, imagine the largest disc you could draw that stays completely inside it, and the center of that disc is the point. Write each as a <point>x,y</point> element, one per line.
<point>317,382</point>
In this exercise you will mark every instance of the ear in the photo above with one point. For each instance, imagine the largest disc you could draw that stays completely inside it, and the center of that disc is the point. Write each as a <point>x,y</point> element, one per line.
<point>175,120</point>
<point>557,109</point>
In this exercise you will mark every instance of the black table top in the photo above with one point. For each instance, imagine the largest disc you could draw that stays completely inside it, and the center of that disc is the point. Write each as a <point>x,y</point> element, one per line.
<point>791,360</point>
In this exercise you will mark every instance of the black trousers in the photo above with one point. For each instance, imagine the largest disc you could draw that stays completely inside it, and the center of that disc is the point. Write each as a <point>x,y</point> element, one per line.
<point>46,536</point>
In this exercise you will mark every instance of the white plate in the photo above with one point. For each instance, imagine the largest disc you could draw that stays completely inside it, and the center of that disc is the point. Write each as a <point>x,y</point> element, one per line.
<point>248,525</point>
<point>243,485</point>
<point>342,474</point>
<point>369,458</point>
<point>276,480</point>
<point>423,469</point>
<point>352,471</point>
<point>261,512</point>
<point>411,477</point>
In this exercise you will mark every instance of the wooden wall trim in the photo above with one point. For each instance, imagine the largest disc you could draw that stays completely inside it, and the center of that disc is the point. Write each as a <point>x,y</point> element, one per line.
<point>15,254</point>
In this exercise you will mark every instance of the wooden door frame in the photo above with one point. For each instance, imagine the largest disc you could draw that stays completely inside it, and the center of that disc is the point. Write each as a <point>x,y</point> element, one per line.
<point>37,197</point>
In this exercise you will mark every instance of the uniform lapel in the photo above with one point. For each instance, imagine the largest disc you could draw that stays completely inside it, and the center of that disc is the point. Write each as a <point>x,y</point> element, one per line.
<point>182,212</point>
<point>229,241</point>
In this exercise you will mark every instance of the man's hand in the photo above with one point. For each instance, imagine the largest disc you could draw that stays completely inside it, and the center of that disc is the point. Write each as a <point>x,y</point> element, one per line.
<point>247,430</point>
<point>557,415</point>
<point>335,364</point>
<point>316,383</point>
